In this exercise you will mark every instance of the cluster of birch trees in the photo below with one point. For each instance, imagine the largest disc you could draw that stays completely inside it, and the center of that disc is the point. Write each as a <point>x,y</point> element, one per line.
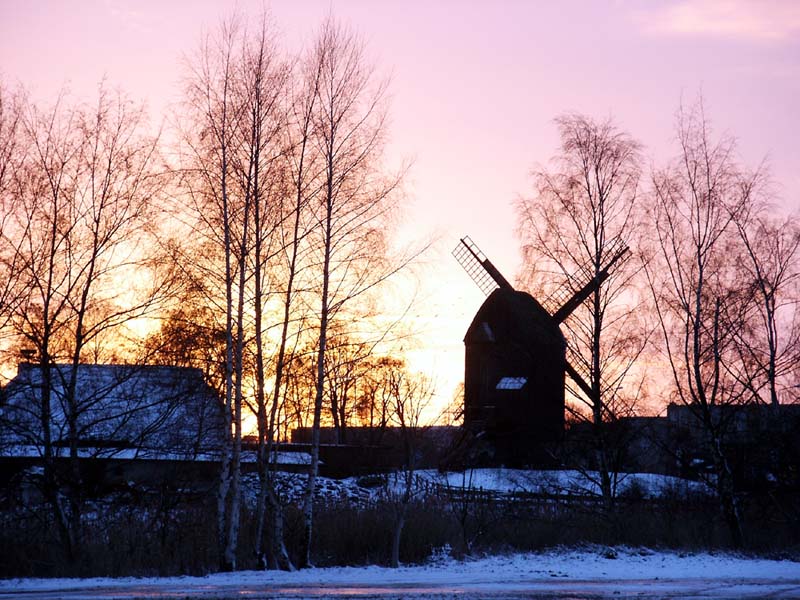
<point>706,308</point>
<point>258,236</point>
<point>282,168</point>
<point>78,191</point>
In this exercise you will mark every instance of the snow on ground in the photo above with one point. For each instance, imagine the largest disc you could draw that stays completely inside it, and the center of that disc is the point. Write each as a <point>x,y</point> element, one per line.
<point>586,572</point>
<point>360,490</point>
<point>561,482</point>
<point>292,486</point>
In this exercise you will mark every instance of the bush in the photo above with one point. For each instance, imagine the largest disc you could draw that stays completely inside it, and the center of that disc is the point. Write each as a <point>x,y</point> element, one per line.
<point>158,532</point>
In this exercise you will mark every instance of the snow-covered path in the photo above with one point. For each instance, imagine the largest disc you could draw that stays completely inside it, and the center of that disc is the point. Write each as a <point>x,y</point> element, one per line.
<point>591,573</point>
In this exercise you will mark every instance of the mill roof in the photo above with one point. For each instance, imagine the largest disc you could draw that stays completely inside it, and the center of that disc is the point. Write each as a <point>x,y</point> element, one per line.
<point>514,316</point>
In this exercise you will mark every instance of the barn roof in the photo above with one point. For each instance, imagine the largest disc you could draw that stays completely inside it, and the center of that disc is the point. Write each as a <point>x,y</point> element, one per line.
<point>130,411</point>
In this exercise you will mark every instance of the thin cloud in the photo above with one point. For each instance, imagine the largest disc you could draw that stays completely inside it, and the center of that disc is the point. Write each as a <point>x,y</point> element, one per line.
<point>765,20</point>
<point>133,19</point>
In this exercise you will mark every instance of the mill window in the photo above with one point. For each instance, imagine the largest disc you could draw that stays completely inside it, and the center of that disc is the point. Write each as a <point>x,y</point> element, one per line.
<point>511,383</point>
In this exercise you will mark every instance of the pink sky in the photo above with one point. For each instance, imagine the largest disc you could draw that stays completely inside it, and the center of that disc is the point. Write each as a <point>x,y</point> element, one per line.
<point>475,88</point>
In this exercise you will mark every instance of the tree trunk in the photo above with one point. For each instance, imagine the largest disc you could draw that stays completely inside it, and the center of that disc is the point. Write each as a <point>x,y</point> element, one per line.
<point>51,484</point>
<point>308,500</point>
<point>398,532</point>
<point>729,503</point>
<point>278,551</point>
<point>402,510</point>
<point>226,472</point>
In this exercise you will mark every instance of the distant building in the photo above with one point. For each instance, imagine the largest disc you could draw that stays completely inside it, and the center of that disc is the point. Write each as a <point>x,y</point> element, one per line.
<point>759,441</point>
<point>377,449</point>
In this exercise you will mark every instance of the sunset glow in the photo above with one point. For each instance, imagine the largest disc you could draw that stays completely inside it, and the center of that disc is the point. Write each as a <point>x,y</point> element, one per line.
<point>290,286</point>
<point>474,90</point>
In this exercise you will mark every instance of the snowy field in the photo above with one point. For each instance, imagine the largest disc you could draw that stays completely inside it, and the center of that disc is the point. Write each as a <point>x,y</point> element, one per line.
<point>588,573</point>
<point>563,482</point>
<point>291,486</point>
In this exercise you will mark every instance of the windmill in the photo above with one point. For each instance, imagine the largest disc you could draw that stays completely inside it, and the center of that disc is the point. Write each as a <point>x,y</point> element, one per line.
<point>516,358</point>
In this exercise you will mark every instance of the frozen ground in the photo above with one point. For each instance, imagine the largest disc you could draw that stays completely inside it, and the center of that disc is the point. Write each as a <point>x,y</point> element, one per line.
<point>576,574</point>
<point>563,482</point>
<point>291,486</point>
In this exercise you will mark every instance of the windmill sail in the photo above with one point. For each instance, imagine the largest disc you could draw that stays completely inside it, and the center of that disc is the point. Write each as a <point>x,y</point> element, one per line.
<point>568,302</point>
<point>579,371</point>
<point>478,267</point>
<point>579,380</point>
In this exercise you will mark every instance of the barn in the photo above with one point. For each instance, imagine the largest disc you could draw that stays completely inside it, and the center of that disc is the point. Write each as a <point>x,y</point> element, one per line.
<point>131,422</point>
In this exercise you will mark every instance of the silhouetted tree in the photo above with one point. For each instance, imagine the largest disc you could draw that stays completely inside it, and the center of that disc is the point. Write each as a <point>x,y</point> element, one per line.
<point>695,284</point>
<point>215,150</point>
<point>410,394</point>
<point>82,200</point>
<point>189,336</point>
<point>248,197</point>
<point>355,204</point>
<point>767,337</point>
<point>582,212</point>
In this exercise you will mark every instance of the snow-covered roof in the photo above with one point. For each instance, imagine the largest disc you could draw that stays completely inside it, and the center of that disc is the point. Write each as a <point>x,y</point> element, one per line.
<point>120,411</point>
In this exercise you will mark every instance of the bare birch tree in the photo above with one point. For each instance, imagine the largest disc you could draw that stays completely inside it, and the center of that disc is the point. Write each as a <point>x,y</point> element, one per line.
<point>581,214</point>
<point>276,229</point>
<point>212,141</point>
<point>768,338</point>
<point>694,285</point>
<point>242,189</point>
<point>355,203</point>
<point>410,395</point>
<point>82,199</point>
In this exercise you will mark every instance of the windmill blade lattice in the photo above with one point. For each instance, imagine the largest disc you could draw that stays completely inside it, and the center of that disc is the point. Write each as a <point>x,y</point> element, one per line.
<point>560,296</point>
<point>478,267</point>
<point>583,277</point>
<point>578,364</point>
